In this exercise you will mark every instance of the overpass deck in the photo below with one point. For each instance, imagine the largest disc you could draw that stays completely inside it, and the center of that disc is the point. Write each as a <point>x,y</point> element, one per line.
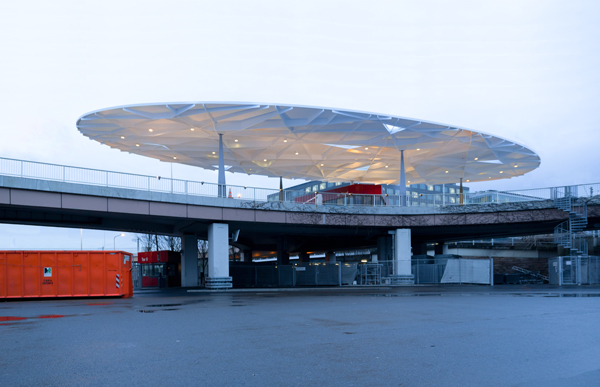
<point>54,195</point>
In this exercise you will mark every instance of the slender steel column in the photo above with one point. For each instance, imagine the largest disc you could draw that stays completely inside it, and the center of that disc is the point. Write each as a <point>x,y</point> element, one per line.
<point>222,187</point>
<point>402,189</point>
<point>281,189</point>
<point>461,201</point>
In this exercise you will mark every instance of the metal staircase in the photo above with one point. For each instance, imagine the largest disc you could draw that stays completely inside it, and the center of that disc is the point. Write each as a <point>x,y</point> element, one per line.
<point>567,234</point>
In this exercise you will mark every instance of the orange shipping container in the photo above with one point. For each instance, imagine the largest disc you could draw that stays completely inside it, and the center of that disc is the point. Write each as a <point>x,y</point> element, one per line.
<point>33,274</point>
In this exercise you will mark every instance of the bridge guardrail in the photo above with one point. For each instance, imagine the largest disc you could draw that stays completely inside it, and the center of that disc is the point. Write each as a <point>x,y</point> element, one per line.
<point>87,176</point>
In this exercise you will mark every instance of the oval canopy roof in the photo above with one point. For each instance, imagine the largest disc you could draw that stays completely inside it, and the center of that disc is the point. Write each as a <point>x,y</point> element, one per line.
<point>309,143</point>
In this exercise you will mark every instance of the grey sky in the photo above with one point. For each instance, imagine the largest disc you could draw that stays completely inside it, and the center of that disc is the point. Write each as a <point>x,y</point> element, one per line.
<point>523,70</point>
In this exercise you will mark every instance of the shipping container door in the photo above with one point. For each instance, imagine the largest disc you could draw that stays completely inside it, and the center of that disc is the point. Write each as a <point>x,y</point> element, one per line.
<point>14,274</point>
<point>81,274</point>
<point>64,273</point>
<point>32,273</point>
<point>97,274</point>
<point>113,274</point>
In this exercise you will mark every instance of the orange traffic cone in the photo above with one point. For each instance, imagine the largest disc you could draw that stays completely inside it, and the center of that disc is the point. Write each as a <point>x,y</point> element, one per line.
<point>230,197</point>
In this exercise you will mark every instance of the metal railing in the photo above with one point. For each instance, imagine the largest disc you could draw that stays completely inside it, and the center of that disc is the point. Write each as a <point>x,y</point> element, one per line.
<point>95,177</point>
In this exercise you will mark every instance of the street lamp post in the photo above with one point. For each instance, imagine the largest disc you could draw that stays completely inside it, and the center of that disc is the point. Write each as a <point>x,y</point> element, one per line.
<point>115,240</point>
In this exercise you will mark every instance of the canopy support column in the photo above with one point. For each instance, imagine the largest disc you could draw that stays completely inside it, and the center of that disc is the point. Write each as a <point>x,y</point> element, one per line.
<point>221,182</point>
<point>281,197</point>
<point>402,188</point>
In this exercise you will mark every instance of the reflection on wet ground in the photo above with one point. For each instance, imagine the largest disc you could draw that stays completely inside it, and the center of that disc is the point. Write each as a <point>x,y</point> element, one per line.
<point>409,336</point>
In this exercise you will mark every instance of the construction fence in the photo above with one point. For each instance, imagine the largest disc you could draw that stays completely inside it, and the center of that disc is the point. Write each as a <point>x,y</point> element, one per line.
<point>302,274</point>
<point>580,270</point>
<point>434,270</point>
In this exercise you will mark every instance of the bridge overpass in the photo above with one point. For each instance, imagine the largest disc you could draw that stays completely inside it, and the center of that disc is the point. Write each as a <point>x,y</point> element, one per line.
<point>61,196</point>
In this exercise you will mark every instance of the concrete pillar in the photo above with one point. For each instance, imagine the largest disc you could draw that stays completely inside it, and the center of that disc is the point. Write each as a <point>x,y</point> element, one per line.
<point>330,257</point>
<point>189,261</point>
<point>218,257</point>
<point>439,248</point>
<point>384,248</point>
<point>402,258</point>
<point>303,257</point>
<point>283,256</point>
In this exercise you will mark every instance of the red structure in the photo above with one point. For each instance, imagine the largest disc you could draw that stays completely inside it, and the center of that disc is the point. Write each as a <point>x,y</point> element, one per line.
<point>343,195</point>
<point>160,268</point>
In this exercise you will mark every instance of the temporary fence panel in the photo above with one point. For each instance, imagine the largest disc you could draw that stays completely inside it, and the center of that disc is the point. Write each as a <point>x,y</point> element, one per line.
<point>267,276</point>
<point>349,271</point>
<point>35,274</point>
<point>262,276</point>
<point>328,274</point>
<point>474,271</point>
<point>286,275</point>
<point>580,270</point>
<point>243,276</point>
<point>136,275</point>
<point>370,274</point>
<point>306,275</point>
<point>428,273</point>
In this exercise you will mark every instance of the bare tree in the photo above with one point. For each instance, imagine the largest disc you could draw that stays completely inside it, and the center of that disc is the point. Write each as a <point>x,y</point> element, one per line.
<point>202,249</point>
<point>170,243</point>
<point>146,242</point>
<point>154,242</point>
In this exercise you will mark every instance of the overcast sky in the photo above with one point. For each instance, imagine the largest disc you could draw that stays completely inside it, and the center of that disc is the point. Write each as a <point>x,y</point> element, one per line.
<point>523,70</point>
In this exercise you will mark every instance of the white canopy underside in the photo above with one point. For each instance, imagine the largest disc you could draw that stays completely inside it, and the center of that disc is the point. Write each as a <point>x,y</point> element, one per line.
<point>307,142</point>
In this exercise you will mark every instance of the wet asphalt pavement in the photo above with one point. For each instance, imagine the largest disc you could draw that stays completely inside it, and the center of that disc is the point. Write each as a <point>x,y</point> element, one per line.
<point>410,336</point>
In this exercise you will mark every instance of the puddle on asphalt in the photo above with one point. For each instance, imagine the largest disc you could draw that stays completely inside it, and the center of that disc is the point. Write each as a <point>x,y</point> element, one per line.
<point>488,294</point>
<point>43,316</point>
<point>162,305</point>
<point>405,295</point>
<point>12,318</point>
<point>194,302</point>
<point>572,295</point>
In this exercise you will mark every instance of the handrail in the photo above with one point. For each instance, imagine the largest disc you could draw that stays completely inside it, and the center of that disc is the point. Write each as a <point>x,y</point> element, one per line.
<point>97,177</point>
